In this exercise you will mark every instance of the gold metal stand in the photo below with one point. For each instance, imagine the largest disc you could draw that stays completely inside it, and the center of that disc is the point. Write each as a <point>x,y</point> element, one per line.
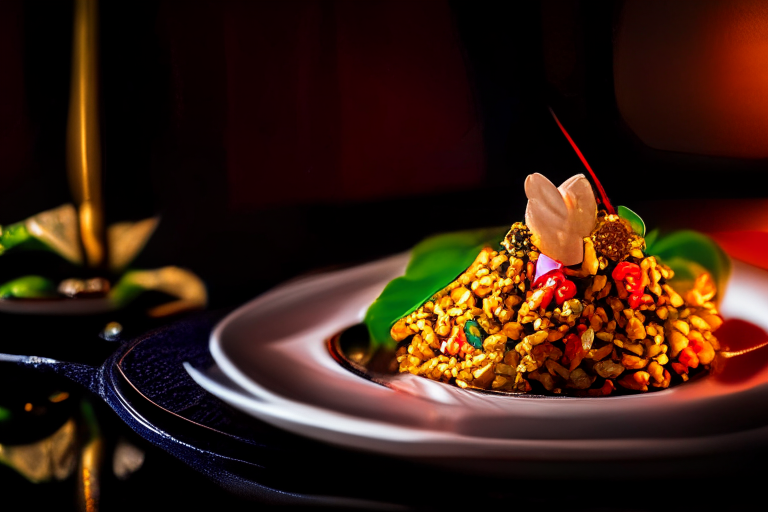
<point>83,137</point>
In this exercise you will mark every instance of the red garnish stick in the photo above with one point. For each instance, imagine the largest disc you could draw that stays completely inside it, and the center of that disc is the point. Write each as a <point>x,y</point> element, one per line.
<point>603,196</point>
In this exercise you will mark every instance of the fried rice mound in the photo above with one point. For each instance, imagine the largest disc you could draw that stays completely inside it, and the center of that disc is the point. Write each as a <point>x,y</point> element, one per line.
<point>612,324</point>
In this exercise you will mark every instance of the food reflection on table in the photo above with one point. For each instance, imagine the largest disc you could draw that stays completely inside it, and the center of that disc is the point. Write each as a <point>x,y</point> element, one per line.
<point>74,274</point>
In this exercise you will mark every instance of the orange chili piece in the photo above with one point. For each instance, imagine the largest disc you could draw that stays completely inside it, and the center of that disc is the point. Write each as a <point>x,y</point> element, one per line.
<point>688,358</point>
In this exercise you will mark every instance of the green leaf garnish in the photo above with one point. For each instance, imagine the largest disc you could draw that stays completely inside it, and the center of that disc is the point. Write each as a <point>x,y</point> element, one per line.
<point>637,224</point>
<point>435,262</point>
<point>473,333</point>
<point>186,288</point>
<point>651,238</point>
<point>28,287</point>
<point>687,252</point>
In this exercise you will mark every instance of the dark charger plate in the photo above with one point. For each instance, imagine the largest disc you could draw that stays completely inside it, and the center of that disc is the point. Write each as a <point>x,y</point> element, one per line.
<point>144,382</point>
<point>146,385</point>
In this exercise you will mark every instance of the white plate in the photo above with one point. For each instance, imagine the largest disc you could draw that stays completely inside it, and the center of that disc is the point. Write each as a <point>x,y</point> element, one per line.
<point>272,363</point>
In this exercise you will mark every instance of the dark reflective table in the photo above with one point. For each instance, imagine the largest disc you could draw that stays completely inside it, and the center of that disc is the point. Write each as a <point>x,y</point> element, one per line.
<point>123,408</point>
<point>153,440</point>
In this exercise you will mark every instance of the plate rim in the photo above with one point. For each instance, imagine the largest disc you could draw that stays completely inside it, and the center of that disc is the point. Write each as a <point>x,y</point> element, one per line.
<point>266,402</point>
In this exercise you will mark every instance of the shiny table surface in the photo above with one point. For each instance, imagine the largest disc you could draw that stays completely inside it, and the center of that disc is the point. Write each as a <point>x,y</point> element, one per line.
<point>163,481</point>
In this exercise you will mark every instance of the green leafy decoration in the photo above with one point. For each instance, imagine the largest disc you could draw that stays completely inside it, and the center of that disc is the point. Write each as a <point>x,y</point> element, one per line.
<point>181,284</point>
<point>635,221</point>
<point>435,262</point>
<point>689,252</point>
<point>28,287</point>
<point>651,238</point>
<point>126,290</point>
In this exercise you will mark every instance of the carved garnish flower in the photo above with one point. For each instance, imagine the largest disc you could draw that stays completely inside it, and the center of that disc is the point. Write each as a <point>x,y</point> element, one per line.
<point>560,217</point>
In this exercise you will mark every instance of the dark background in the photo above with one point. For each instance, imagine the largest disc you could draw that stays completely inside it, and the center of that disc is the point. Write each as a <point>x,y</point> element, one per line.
<point>276,138</point>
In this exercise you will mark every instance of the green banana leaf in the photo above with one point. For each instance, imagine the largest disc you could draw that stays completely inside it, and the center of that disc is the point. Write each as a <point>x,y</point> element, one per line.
<point>435,262</point>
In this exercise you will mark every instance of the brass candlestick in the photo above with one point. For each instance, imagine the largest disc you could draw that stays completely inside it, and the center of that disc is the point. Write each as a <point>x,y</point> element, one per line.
<point>83,137</point>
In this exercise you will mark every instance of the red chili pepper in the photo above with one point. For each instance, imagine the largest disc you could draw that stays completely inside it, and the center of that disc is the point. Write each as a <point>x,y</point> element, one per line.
<point>566,291</point>
<point>696,345</point>
<point>557,287</point>
<point>572,348</point>
<point>547,298</point>
<point>461,338</point>
<point>631,275</point>
<point>625,268</point>
<point>551,278</point>
<point>456,345</point>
